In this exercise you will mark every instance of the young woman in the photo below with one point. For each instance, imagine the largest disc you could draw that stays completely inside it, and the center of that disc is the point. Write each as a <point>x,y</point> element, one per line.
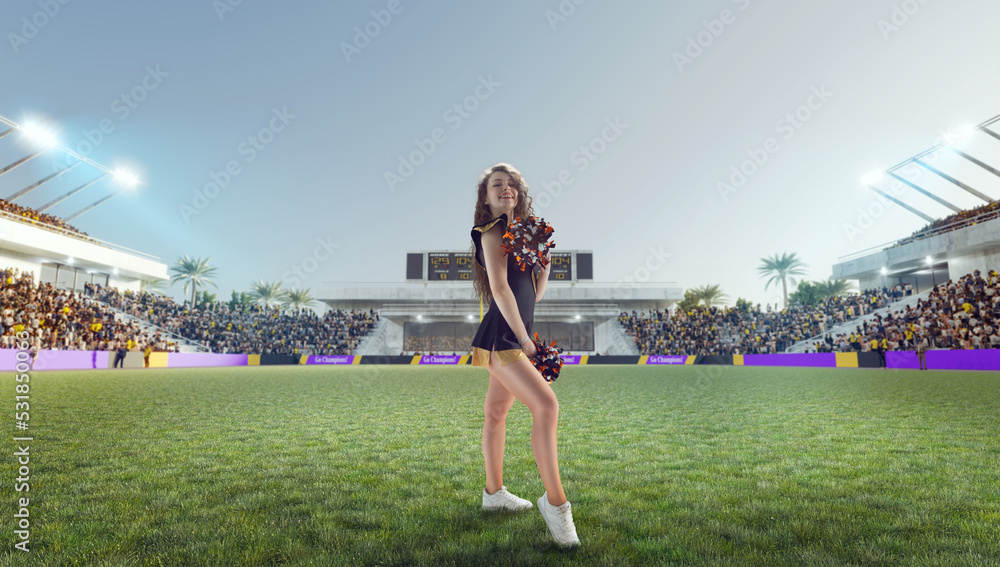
<point>503,346</point>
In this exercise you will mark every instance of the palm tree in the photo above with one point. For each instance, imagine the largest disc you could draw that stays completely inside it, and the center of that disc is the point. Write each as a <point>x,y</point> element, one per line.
<point>193,272</point>
<point>296,298</point>
<point>152,286</point>
<point>834,288</point>
<point>711,294</point>
<point>206,299</point>
<point>266,292</point>
<point>779,268</point>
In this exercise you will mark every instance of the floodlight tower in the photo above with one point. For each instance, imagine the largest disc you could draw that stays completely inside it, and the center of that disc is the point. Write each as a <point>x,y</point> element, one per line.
<point>43,138</point>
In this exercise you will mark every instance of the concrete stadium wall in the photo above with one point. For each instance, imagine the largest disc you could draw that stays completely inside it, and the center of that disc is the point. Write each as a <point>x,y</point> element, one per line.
<point>987,359</point>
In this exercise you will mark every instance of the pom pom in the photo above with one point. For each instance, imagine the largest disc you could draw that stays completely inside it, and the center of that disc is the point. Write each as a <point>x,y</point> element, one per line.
<point>528,240</point>
<point>547,360</point>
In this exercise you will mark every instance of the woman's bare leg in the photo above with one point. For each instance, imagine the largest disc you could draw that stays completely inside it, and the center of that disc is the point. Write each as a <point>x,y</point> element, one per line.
<point>497,404</point>
<point>526,384</point>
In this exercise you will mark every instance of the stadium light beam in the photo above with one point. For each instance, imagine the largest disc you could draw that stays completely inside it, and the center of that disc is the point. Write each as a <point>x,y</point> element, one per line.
<point>38,184</point>
<point>947,177</point>
<point>925,192</point>
<point>69,193</point>
<point>91,206</point>
<point>21,161</point>
<point>986,130</point>
<point>902,204</point>
<point>981,164</point>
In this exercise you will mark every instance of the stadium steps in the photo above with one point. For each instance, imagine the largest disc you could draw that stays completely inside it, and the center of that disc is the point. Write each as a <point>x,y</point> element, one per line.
<point>849,327</point>
<point>183,344</point>
<point>620,342</point>
<point>374,342</point>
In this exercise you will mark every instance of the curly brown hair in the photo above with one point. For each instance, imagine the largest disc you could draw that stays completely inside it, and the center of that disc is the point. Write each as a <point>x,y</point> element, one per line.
<point>481,282</point>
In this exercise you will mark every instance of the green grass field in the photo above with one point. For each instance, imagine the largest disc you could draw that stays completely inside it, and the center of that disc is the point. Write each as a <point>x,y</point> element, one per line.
<point>383,465</point>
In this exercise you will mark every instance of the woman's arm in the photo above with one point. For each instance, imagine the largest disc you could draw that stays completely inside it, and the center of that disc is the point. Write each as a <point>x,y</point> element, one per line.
<point>496,269</point>
<point>541,281</point>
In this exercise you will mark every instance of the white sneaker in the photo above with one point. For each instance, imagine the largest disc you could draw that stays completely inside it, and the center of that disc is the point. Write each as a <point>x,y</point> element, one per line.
<point>502,499</point>
<point>560,521</point>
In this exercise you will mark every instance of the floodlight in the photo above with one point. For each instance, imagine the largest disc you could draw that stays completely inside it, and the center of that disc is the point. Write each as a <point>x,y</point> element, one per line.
<point>872,177</point>
<point>39,136</point>
<point>126,178</point>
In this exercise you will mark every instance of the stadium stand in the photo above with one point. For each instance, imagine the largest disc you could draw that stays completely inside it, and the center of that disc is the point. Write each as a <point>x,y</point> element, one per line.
<point>956,221</point>
<point>247,329</point>
<point>95,320</point>
<point>60,319</point>
<point>962,314</point>
<point>41,220</point>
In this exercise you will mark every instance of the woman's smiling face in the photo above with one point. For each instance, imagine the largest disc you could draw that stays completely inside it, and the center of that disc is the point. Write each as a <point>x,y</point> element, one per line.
<point>501,193</point>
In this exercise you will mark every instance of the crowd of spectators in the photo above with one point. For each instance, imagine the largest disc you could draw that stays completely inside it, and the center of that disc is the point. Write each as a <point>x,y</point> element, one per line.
<point>60,319</point>
<point>252,328</point>
<point>963,314</point>
<point>752,330</point>
<point>956,221</point>
<point>63,320</point>
<point>29,215</point>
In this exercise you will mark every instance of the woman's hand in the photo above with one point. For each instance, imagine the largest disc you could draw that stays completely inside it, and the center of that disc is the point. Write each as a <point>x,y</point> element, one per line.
<point>529,349</point>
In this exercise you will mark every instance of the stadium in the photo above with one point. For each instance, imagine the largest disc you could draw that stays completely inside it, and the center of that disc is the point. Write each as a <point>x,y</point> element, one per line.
<point>338,420</point>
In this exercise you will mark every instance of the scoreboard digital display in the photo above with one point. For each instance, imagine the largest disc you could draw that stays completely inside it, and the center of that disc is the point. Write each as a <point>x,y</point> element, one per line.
<point>449,266</point>
<point>457,266</point>
<point>561,268</point>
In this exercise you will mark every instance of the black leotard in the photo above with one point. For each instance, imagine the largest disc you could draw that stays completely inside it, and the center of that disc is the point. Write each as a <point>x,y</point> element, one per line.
<point>494,333</point>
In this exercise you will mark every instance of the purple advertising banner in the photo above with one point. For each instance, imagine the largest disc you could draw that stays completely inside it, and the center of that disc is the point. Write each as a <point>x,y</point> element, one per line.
<point>8,359</point>
<point>196,359</point>
<point>59,359</point>
<point>440,359</point>
<point>330,359</point>
<point>902,359</point>
<point>984,359</point>
<point>822,359</point>
<point>570,358</point>
<point>72,360</point>
<point>666,359</point>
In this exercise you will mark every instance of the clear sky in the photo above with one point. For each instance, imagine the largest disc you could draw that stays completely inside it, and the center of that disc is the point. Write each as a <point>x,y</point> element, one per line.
<point>644,108</point>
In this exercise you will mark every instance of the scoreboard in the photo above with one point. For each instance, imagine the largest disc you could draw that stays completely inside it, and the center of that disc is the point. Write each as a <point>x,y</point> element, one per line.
<point>561,266</point>
<point>448,266</point>
<point>459,266</point>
